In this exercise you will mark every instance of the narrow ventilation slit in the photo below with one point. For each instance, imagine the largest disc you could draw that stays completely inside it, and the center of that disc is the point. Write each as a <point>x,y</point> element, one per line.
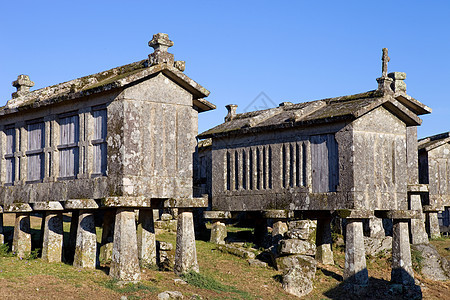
<point>264,172</point>
<point>236,170</point>
<point>304,154</point>
<point>297,165</point>
<point>244,170</point>
<point>291,163</point>
<point>283,157</point>
<point>270,167</point>
<point>258,169</point>
<point>250,177</point>
<point>228,171</point>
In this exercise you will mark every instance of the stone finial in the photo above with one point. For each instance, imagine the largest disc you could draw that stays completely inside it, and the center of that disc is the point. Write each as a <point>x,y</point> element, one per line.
<point>398,85</point>
<point>160,43</point>
<point>384,81</point>
<point>23,85</point>
<point>384,59</point>
<point>231,112</point>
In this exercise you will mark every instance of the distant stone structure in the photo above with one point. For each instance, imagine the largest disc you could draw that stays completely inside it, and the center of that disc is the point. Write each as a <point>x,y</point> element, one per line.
<point>115,141</point>
<point>355,156</point>
<point>434,170</point>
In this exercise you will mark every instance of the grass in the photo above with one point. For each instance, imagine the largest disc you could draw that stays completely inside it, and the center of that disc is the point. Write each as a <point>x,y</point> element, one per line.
<point>417,260</point>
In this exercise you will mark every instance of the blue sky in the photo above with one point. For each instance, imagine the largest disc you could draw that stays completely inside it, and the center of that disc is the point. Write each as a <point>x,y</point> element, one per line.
<point>289,50</point>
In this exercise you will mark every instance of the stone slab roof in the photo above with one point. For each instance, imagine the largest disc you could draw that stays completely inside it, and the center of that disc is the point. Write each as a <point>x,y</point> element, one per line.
<point>321,111</point>
<point>159,61</point>
<point>431,142</point>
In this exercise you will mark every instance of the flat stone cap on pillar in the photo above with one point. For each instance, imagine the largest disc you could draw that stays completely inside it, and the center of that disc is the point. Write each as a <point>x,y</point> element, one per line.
<point>17,207</point>
<point>277,214</point>
<point>399,214</point>
<point>81,204</point>
<point>354,214</point>
<point>217,215</point>
<point>50,205</point>
<point>431,208</point>
<point>187,202</point>
<point>418,188</point>
<point>126,201</point>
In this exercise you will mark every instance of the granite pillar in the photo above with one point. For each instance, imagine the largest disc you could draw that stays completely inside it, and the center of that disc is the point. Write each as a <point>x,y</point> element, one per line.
<point>125,261</point>
<point>402,272</point>
<point>433,225</point>
<point>86,241</point>
<point>355,270</point>
<point>324,252</point>
<point>218,233</point>
<point>22,235</point>
<point>418,232</point>
<point>106,247</point>
<point>146,238</point>
<point>52,244</point>
<point>185,252</point>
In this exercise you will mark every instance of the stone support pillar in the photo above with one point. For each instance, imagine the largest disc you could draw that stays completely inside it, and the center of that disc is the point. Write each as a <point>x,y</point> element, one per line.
<point>355,270</point>
<point>22,235</point>
<point>86,241</point>
<point>2,235</point>
<point>402,272</point>
<point>218,233</point>
<point>146,238</point>
<point>125,261</point>
<point>185,252</point>
<point>433,225</point>
<point>418,232</point>
<point>53,237</point>
<point>106,247</point>
<point>324,252</point>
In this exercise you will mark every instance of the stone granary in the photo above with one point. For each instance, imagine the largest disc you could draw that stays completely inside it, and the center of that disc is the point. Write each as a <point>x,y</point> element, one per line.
<point>434,170</point>
<point>353,155</point>
<point>116,141</point>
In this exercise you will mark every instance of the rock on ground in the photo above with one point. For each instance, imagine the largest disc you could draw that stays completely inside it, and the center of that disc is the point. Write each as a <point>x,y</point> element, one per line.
<point>434,266</point>
<point>170,295</point>
<point>298,274</point>
<point>374,246</point>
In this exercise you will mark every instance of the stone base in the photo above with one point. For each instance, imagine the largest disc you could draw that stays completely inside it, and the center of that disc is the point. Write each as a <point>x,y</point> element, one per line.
<point>402,272</point>
<point>106,247</point>
<point>22,236</point>
<point>125,262</point>
<point>146,238</point>
<point>86,242</point>
<point>324,252</point>
<point>433,225</point>
<point>355,271</point>
<point>53,237</point>
<point>218,233</point>
<point>185,252</point>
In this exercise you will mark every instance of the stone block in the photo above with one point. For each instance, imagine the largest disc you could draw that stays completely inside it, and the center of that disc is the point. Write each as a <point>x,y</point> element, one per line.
<point>22,235</point>
<point>165,246</point>
<point>236,250</point>
<point>355,270</point>
<point>279,229</point>
<point>285,263</point>
<point>168,295</point>
<point>433,225</point>
<point>298,281</point>
<point>185,252</point>
<point>53,237</point>
<point>402,272</point>
<point>434,267</point>
<point>86,241</point>
<point>296,246</point>
<point>125,261</point>
<point>218,233</point>
<point>166,217</point>
<point>146,238</point>
<point>257,263</point>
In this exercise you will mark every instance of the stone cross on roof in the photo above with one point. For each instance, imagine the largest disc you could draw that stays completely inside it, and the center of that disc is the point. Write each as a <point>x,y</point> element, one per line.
<point>23,85</point>
<point>385,59</point>
<point>161,43</point>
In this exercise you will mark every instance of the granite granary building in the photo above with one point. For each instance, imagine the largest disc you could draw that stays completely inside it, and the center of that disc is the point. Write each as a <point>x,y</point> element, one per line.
<point>434,170</point>
<point>355,156</point>
<point>116,141</point>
